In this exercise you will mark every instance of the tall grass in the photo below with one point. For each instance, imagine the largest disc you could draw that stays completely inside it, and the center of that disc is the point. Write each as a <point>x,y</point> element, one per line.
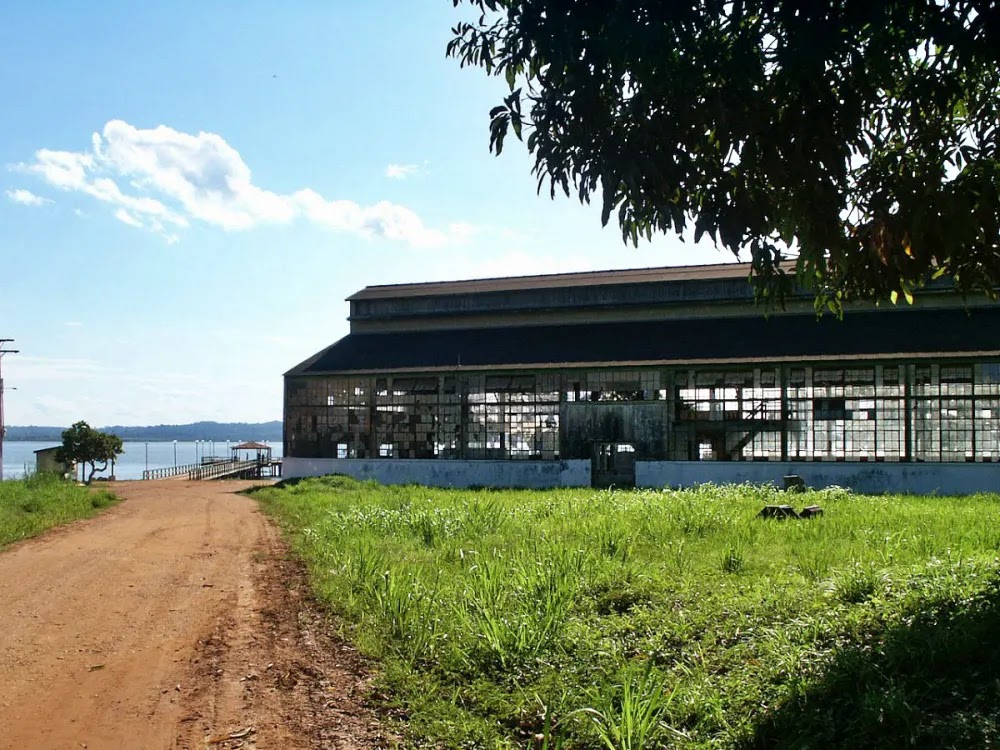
<point>615,620</point>
<point>38,502</point>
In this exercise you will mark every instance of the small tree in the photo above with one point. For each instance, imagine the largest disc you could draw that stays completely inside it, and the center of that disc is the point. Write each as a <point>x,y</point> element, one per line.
<point>84,445</point>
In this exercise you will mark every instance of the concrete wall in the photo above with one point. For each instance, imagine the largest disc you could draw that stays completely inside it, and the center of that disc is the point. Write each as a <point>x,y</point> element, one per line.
<point>918,478</point>
<point>447,473</point>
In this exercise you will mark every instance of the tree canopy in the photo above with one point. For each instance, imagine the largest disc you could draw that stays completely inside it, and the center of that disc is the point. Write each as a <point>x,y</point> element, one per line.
<point>83,444</point>
<point>850,140</point>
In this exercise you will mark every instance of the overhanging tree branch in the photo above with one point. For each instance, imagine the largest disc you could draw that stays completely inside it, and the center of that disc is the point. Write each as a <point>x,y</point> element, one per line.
<point>864,135</point>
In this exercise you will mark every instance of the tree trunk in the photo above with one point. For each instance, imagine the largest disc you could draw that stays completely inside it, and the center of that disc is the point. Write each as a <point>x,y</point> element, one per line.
<point>94,470</point>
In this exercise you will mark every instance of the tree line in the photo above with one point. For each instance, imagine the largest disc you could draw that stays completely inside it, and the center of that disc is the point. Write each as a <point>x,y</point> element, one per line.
<point>219,431</point>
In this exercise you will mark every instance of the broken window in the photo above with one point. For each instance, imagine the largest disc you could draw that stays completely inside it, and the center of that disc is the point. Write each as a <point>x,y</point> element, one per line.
<point>611,385</point>
<point>513,416</point>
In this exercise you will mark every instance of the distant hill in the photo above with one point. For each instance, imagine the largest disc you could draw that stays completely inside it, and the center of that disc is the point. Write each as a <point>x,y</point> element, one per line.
<point>218,431</point>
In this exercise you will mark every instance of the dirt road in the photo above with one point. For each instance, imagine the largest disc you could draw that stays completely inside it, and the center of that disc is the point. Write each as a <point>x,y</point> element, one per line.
<point>175,620</point>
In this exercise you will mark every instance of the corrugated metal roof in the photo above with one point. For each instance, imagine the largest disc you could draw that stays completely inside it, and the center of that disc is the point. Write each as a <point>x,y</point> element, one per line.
<point>587,278</point>
<point>879,333</point>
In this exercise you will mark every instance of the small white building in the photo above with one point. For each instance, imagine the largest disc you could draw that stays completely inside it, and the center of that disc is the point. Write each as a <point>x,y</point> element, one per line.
<point>46,463</point>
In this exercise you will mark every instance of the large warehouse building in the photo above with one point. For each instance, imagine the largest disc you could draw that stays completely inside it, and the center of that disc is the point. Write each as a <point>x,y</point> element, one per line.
<point>652,377</point>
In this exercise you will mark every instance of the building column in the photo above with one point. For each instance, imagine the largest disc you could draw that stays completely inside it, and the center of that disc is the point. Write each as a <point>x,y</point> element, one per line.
<point>564,381</point>
<point>463,415</point>
<point>783,385</point>
<point>670,412</point>
<point>972,401</point>
<point>372,441</point>
<point>907,383</point>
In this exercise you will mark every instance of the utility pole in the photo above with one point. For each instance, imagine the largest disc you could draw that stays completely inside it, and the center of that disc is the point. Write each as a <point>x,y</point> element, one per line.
<point>3,430</point>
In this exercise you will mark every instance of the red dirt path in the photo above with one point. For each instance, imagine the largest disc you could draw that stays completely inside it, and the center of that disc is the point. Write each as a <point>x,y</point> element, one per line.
<point>174,620</point>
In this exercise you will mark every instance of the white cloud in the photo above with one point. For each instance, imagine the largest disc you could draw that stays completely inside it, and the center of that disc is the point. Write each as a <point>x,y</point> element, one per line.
<point>48,405</point>
<point>26,197</point>
<point>48,369</point>
<point>80,376</point>
<point>401,171</point>
<point>74,324</point>
<point>462,229</point>
<point>126,218</point>
<point>67,170</point>
<point>173,179</point>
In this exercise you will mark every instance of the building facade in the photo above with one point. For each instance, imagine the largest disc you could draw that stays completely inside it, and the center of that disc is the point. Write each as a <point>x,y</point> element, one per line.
<point>650,377</point>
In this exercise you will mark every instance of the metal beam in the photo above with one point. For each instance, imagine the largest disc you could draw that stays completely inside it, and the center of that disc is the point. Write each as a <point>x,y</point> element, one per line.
<point>3,430</point>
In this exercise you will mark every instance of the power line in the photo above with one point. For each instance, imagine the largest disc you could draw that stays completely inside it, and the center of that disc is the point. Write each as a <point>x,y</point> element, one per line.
<point>3,429</point>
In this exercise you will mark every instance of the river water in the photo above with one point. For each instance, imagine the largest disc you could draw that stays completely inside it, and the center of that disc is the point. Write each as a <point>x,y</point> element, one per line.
<point>19,457</point>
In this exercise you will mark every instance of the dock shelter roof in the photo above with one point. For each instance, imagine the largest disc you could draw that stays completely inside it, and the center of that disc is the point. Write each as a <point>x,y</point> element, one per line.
<point>251,446</point>
<point>875,334</point>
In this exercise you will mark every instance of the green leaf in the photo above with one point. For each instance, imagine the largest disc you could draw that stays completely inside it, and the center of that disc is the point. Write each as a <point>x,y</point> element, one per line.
<point>827,130</point>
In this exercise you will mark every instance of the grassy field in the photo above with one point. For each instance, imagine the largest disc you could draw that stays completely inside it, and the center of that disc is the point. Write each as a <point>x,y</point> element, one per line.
<point>32,505</point>
<point>646,619</point>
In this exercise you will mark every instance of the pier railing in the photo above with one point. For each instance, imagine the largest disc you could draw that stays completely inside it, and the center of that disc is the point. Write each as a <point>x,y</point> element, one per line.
<point>222,469</point>
<point>168,471</point>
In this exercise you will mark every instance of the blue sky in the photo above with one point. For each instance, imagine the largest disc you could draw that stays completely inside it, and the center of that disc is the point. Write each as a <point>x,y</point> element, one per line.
<point>190,190</point>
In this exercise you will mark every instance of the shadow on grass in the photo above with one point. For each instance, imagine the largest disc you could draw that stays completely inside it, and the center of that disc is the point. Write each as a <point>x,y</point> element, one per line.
<point>327,481</point>
<point>930,682</point>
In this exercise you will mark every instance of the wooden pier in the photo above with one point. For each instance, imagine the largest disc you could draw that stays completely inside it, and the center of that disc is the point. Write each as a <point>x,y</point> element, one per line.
<point>236,469</point>
<point>257,464</point>
<point>168,471</point>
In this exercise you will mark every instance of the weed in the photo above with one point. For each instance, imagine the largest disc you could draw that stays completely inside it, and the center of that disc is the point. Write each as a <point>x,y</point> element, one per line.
<point>676,554</point>
<point>813,562</point>
<point>102,499</point>
<point>630,715</point>
<point>733,558</point>
<point>614,542</point>
<point>31,505</point>
<point>366,568</point>
<point>858,583</point>
<point>516,608</point>
<point>635,616</point>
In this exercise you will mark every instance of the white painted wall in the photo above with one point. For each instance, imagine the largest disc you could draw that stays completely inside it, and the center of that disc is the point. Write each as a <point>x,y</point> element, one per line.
<point>447,473</point>
<point>917,478</point>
